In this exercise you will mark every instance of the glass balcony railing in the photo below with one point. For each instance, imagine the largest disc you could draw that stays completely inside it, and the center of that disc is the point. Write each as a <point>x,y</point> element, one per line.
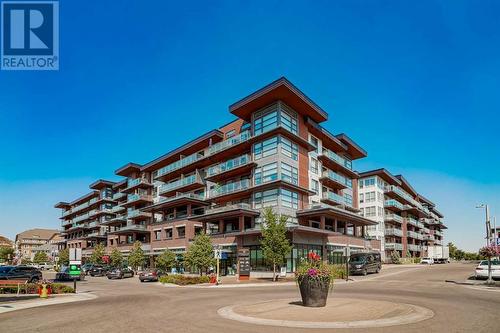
<point>337,178</point>
<point>118,195</point>
<point>183,195</point>
<point>233,141</point>
<point>337,159</point>
<point>394,246</point>
<point>226,208</point>
<point>179,164</point>
<point>137,213</point>
<point>394,232</point>
<point>229,188</point>
<point>411,221</point>
<point>336,198</point>
<point>80,207</point>
<point>393,217</point>
<point>117,209</point>
<point>179,183</point>
<point>228,165</point>
<point>394,203</point>
<point>135,197</point>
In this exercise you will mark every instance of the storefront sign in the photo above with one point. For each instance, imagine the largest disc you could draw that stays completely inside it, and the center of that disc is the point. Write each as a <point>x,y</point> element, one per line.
<point>244,261</point>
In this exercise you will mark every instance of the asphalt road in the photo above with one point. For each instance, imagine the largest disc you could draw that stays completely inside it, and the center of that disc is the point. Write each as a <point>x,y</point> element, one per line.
<point>129,306</point>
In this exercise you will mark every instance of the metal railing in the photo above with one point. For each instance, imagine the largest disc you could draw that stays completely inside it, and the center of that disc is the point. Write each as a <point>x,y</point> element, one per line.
<point>393,217</point>
<point>229,188</point>
<point>393,203</point>
<point>180,183</point>
<point>229,165</point>
<point>337,178</point>
<point>337,158</point>
<point>394,232</point>
<point>233,141</point>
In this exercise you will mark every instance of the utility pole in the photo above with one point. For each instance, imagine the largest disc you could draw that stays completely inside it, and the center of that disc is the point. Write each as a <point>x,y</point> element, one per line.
<point>488,224</point>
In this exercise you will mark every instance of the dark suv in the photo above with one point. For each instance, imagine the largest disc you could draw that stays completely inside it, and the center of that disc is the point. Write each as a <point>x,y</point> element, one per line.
<point>31,274</point>
<point>98,270</point>
<point>364,263</point>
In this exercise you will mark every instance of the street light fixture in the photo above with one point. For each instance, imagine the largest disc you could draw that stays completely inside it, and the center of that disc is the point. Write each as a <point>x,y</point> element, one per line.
<point>488,228</point>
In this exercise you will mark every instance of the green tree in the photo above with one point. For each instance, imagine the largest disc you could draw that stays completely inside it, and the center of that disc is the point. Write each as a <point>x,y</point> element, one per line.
<point>6,254</point>
<point>96,257</point>
<point>453,250</point>
<point>200,254</point>
<point>165,260</point>
<point>63,257</point>
<point>116,258</point>
<point>395,257</point>
<point>136,257</point>
<point>40,257</point>
<point>274,243</point>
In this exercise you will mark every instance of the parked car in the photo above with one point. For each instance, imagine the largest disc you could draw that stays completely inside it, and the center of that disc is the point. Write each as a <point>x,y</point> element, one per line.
<point>150,275</point>
<point>31,274</point>
<point>98,270</point>
<point>86,268</point>
<point>120,273</point>
<point>63,275</point>
<point>364,263</point>
<point>482,269</point>
<point>427,261</point>
<point>44,266</point>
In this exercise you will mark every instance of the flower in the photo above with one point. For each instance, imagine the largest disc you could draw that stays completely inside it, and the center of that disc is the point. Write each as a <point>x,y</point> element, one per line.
<point>313,256</point>
<point>312,272</point>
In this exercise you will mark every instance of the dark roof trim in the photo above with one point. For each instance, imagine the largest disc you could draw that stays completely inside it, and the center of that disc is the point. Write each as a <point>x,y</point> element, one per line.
<point>181,148</point>
<point>84,197</point>
<point>61,204</point>
<point>98,184</point>
<point>127,168</point>
<point>405,182</point>
<point>380,172</point>
<point>120,183</point>
<point>348,141</point>
<point>326,133</point>
<point>425,200</point>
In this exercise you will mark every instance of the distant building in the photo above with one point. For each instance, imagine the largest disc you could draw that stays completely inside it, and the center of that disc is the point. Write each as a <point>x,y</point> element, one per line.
<point>51,248</point>
<point>5,242</point>
<point>28,240</point>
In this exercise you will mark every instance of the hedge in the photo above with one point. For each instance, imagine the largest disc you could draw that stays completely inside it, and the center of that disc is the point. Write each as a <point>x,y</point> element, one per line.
<point>32,288</point>
<point>183,280</point>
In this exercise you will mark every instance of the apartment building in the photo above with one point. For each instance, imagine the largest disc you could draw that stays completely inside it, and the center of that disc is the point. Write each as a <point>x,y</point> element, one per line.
<point>27,241</point>
<point>275,153</point>
<point>83,220</point>
<point>407,222</point>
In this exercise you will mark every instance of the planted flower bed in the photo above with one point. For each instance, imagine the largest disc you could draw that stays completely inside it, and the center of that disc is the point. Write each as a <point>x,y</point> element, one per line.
<point>315,279</point>
<point>32,288</point>
<point>183,280</point>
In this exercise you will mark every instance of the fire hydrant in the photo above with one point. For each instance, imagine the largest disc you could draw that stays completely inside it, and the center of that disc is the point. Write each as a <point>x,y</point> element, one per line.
<point>43,291</point>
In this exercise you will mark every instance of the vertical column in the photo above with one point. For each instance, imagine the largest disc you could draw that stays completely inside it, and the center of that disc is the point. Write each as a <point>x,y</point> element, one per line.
<point>241,223</point>
<point>335,225</point>
<point>221,226</point>
<point>322,222</point>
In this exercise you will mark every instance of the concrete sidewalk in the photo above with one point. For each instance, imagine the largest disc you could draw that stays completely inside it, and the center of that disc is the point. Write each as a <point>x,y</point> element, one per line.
<point>25,302</point>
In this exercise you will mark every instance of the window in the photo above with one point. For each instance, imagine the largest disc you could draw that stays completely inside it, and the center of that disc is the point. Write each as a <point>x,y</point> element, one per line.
<point>370,211</point>
<point>288,119</point>
<point>266,198</point>
<point>361,198</point>
<point>266,120</point>
<point>348,199</point>
<point>168,233</point>
<point>289,148</point>
<point>314,166</point>
<point>315,186</point>
<point>181,232</point>
<point>314,142</point>
<point>265,148</point>
<point>289,199</point>
<point>362,211</point>
<point>230,134</point>
<point>266,173</point>
<point>370,182</point>
<point>380,183</point>
<point>289,174</point>
<point>370,196</point>
<point>157,234</point>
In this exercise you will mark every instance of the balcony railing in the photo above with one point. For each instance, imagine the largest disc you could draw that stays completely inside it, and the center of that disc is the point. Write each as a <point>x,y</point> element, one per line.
<point>135,197</point>
<point>227,208</point>
<point>393,217</point>
<point>233,141</point>
<point>394,246</point>
<point>183,195</point>
<point>118,195</point>
<point>180,183</point>
<point>80,207</point>
<point>132,227</point>
<point>394,232</point>
<point>229,188</point>
<point>137,181</point>
<point>117,209</point>
<point>411,221</point>
<point>337,178</point>
<point>413,247</point>
<point>393,203</point>
<point>228,165</point>
<point>179,164</point>
<point>328,195</point>
<point>337,159</point>
<point>136,213</point>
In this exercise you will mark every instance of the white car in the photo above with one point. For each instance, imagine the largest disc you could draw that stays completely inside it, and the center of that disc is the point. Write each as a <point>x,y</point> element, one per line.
<point>428,261</point>
<point>482,269</point>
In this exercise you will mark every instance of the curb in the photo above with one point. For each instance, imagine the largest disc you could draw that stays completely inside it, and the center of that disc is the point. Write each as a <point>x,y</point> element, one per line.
<point>60,299</point>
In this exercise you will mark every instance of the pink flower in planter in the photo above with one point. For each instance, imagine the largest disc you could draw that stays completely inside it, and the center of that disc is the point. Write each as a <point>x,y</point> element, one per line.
<point>312,272</point>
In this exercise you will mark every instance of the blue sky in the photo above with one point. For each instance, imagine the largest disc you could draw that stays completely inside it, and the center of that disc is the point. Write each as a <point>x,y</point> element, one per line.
<point>414,83</point>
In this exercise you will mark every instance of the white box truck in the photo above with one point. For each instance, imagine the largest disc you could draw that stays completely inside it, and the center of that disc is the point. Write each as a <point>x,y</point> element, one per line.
<point>440,254</point>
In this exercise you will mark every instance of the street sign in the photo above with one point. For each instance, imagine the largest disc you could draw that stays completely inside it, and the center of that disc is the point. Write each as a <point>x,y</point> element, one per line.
<point>244,262</point>
<point>75,254</point>
<point>74,269</point>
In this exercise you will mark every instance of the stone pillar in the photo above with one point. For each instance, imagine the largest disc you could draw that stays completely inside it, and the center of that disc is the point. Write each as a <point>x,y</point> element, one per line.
<point>189,210</point>
<point>221,226</point>
<point>322,222</point>
<point>335,225</point>
<point>241,223</point>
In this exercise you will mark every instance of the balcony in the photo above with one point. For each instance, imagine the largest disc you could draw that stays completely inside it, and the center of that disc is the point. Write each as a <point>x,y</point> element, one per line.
<point>393,205</point>
<point>228,208</point>
<point>337,163</point>
<point>412,234</point>
<point>438,233</point>
<point>80,207</point>
<point>134,199</point>
<point>230,168</point>
<point>117,209</point>
<point>231,142</point>
<point>183,162</point>
<point>394,246</point>
<point>429,237</point>
<point>119,195</point>
<point>229,188</point>
<point>334,199</point>
<point>186,184</point>
<point>137,214</point>
<point>334,180</point>
<point>83,217</point>
<point>132,184</point>
<point>411,221</point>
<point>132,227</point>
<point>394,232</point>
<point>393,218</point>
<point>415,248</point>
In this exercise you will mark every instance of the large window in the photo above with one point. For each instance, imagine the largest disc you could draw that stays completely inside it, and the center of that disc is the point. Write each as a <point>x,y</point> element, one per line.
<point>289,199</point>
<point>289,148</point>
<point>265,148</point>
<point>266,173</point>
<point>314,166</point>
<point>266,120</point>
<point>289,119</point>
<point>289,174</point>
<point>315,186</point>
<point>266,198</point>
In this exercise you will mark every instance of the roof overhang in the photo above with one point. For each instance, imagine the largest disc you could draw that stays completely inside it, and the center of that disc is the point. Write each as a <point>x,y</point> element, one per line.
<point>423,199</point>
<point>283,90</point>
<point>127,169</point>
<point>406,185</point>
<point>62,204</point>
<point>353,148</point>
<point>329,140</point>
<point>101,183</point>
<point>84,197</point>
<point>121,183</point>
<point>382,173</point>
<point>336,213</point>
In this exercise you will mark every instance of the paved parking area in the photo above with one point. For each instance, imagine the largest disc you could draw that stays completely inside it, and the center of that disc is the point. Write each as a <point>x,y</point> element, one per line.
<point>128,305</point>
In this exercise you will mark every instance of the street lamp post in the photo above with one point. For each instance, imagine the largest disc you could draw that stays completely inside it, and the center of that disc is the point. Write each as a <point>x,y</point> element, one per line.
<point>488,227</point>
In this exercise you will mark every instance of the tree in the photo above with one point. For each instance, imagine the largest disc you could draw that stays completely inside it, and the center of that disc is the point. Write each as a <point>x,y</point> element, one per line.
<point>136,257</point>
<point>489,252</point>
<point>96,257</point>
<point>63,257</point>
<point>274,243</point>
<point>453,250</point>
<point>40,257</point>
<point>6,254</point>
<point>165,260</point>
<point>116,258</point>
<point>200,254</point>
<point>395,257</point>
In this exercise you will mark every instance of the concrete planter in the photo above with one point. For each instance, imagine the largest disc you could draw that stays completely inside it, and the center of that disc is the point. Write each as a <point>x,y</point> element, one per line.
<point>314,292</point>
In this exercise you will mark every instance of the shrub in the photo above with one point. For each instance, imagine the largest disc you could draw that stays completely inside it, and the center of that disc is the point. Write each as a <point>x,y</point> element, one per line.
<point>183,280</point>
<point>395,257</point>
<point>32,288</point>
